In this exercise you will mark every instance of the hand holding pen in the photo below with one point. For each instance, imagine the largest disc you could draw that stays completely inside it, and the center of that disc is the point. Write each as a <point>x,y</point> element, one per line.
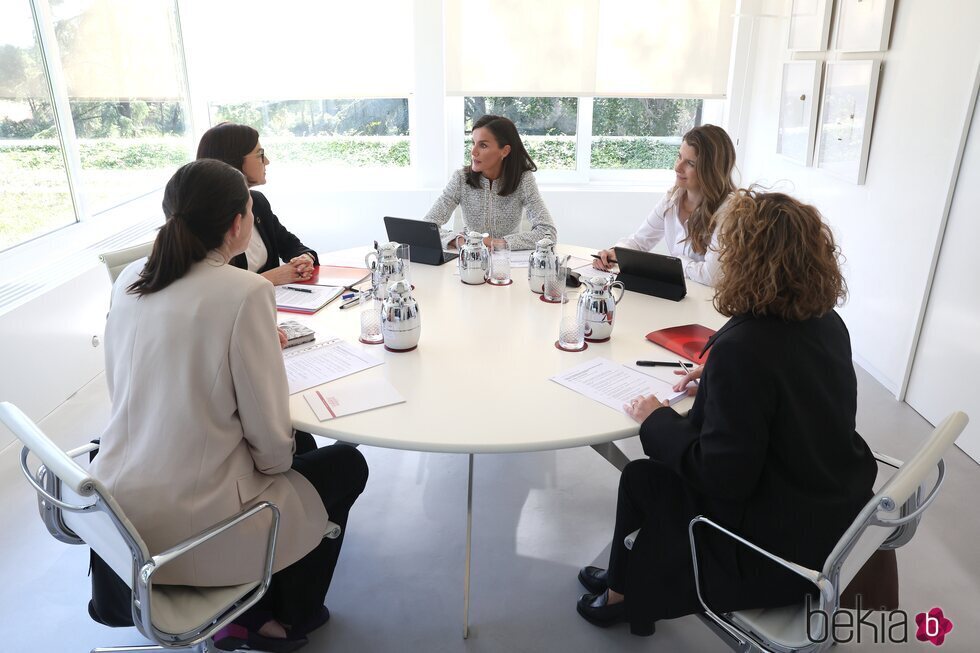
<point>691,375</point>
<point>604,259</point>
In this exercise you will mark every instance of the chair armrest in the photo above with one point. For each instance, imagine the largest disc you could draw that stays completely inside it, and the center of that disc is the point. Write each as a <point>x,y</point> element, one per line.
<point>82,450</point>
<point>143,588</point>
<point>827,588</point>
<point>207,534</point>
<point>811,575</point>
<point>887,460</point>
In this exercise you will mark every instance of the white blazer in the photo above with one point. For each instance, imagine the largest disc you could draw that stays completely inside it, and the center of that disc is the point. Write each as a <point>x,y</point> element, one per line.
<point>664,223</point>
<point>200,423</point>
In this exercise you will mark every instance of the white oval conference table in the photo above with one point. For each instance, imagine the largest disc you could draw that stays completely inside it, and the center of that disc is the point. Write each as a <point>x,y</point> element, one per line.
<point>479,381</point>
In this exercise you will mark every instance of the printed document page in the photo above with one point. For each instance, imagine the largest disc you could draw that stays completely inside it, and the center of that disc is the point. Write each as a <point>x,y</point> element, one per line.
<point>613,384</point>
<point>308,298</point>
<point>354,397</point>
<point>324,361</point>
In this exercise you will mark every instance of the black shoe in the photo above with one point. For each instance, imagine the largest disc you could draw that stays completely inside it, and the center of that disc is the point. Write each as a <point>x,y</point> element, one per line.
<point>595,610</point>
<point>303,629</point>
<point>593,579</point>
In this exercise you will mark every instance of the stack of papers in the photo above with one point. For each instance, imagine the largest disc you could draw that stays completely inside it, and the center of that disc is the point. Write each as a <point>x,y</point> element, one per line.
<point>324,361</point>
<point>614,385</point>
<point>305,298</point>
<point>355,397</point>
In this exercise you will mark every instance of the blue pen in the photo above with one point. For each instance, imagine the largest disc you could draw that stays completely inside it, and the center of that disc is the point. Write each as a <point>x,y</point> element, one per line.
<point>347,295</point>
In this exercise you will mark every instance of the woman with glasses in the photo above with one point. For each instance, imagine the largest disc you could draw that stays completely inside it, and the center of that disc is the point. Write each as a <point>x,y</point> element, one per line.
<point>686,218</point>
<point>239,147</point>
<point>769,450</point>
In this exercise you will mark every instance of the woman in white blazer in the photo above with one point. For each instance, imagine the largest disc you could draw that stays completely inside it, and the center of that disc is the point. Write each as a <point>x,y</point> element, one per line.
<point>686,219</point>
<point>200,423</point>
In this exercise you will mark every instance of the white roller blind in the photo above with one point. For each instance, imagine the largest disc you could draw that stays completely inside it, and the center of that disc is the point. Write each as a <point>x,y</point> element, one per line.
<point>602,48</point>
<point>246,50</point>
<point>118,49</point>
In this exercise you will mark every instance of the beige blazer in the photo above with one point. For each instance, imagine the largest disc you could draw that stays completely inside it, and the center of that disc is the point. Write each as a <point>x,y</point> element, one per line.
<point>200,423</point>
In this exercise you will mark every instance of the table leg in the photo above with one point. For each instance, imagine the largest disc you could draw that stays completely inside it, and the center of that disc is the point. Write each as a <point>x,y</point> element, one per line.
<point>613,454</point>
<point>469,534</point>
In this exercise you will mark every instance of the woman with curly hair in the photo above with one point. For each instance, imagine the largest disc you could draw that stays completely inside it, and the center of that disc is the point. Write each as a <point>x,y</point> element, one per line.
<point>686,219</point>
<point>769,449</point>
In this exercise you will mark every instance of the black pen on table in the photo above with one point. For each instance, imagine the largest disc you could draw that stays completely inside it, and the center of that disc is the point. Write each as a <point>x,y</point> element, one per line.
<point>307,290</point>
<point>658,364</point>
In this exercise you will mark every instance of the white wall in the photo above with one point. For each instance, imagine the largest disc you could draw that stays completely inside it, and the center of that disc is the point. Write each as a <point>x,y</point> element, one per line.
<point>888,227</point>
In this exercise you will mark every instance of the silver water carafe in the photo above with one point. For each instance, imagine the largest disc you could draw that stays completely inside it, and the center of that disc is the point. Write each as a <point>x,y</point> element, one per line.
<point>385,266</point>
<point>401,322</point>
<point>598,304</point>
<point>542,260</point>
<point>474,259</point>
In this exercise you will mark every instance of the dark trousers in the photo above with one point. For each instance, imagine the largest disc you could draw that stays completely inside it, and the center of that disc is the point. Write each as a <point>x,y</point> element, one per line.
<point>339,474</point>
<point>635,500</point>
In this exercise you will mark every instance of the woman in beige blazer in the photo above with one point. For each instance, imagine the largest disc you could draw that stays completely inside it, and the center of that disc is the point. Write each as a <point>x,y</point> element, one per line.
<point>200,423</point>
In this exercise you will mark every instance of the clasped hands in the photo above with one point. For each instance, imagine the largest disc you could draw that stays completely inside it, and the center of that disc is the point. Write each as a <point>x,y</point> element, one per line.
<point>299,268</point>
<point>640,408</point>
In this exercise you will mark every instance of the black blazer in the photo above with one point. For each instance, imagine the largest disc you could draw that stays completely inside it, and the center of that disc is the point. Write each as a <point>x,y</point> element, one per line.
<point>282,245</point>
<point>770,451</point>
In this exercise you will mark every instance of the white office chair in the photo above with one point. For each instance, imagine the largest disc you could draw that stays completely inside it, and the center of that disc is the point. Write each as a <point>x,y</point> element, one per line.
<point>77,509</point>
<point>117,260</point>
<point>887,521</point>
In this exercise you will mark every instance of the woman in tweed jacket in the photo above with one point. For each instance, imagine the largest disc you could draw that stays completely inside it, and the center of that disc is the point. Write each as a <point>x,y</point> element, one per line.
<point>495,189</point>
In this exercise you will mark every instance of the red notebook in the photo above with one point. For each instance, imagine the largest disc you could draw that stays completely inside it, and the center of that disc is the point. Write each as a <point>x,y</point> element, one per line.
<point>687,340</point>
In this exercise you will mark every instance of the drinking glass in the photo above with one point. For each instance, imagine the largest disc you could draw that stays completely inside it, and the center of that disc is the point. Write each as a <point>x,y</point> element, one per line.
<point>370,319</point>
<point>554,284</point>
<point>571,329</point>
<point>499,263</point>
<point>403,253</point>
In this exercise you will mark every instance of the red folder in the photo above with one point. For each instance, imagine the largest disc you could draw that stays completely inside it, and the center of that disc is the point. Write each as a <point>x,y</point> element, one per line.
<point>687,340</point>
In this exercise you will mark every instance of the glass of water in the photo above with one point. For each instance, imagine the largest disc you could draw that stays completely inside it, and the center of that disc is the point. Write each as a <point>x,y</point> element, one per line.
<point>370,319</point>
<point>554,284</point>
<point>499,263</point>
<point>571,329</point>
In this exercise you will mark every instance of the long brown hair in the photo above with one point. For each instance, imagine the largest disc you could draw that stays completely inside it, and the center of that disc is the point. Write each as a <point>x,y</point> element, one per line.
<point>515,164</point>
<point>200,203</point>
<point>715,162</point>
<point>778,258</point>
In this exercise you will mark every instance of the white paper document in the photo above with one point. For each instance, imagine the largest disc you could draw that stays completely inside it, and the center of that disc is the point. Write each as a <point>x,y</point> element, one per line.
<point>305,298</point>
<point>613,384</point>
<point>324,361</point>
<point>520,257</point>
<point>355,397</point>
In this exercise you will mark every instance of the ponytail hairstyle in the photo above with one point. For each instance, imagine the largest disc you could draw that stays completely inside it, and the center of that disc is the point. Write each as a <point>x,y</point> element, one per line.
<point>716,160</point>
<point>200,202</point>
<point>228,142</point>
<point>515,164</point>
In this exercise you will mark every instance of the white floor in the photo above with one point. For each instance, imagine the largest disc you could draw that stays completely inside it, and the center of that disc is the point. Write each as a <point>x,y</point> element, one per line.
<point>537,518</point>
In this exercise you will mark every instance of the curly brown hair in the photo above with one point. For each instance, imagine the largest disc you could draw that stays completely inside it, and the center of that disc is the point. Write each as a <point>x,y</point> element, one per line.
<point>778,258</point>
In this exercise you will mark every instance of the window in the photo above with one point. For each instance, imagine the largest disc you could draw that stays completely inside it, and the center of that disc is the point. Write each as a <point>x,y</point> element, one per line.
<point>126,94</point>
<point>640,133</point>
<point>547,125</point>
<point>326,133</point>
<point>623,134</point>
<point>34,193</point>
